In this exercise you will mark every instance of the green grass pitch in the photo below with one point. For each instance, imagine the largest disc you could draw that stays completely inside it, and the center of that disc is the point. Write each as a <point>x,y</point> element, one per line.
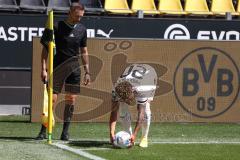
<point>167,141</point>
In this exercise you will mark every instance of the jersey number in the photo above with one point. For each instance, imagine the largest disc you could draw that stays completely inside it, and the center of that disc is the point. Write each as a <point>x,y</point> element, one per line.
<point>135,71</point>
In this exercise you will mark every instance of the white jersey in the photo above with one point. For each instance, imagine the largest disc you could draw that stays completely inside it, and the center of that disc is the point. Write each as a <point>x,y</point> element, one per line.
<point>143,78</point>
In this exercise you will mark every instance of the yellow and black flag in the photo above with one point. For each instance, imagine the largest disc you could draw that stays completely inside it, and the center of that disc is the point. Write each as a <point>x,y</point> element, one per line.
<point>45,107</point>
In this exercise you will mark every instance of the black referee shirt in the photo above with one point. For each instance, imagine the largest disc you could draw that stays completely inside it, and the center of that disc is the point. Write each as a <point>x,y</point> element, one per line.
<point>68,40</point>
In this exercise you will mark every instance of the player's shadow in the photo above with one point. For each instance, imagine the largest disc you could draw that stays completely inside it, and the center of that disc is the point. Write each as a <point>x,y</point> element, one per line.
<point>90,143</point>
<point>17,138</point>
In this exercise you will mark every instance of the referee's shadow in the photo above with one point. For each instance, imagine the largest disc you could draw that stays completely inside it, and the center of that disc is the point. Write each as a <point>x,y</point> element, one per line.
<point>90,144</point>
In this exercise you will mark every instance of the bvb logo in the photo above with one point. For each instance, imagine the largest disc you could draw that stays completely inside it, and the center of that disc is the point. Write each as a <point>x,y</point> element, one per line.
<point>206,82</point>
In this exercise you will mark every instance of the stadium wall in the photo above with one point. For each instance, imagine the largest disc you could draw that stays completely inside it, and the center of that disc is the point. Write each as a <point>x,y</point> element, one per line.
<point>198,80</point>
<point>16,32</point>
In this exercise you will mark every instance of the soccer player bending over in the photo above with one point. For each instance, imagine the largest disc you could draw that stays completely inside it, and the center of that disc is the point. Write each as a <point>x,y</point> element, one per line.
<point>136,86</point>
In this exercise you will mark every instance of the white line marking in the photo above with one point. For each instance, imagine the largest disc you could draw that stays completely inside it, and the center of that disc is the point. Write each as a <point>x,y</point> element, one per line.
<point>151,142</point>
<point>164,142</point>
<point>78,151</point>
<point>208,142</point>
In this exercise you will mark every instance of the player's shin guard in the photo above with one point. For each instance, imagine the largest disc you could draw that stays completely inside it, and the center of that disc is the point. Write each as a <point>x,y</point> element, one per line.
<point>68,113</point>
<point>125,117</point>
<point>147,121</point>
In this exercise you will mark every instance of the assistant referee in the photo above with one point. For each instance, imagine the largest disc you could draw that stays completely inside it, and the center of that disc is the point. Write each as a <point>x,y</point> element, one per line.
<point>71,43</point>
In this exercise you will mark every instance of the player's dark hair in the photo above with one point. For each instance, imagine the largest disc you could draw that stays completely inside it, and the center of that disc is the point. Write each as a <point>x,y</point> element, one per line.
<point>77,5</point>
<point>124,89</point>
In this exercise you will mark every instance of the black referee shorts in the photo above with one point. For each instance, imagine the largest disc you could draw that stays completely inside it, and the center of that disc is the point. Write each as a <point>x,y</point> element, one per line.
<point>67,74</point>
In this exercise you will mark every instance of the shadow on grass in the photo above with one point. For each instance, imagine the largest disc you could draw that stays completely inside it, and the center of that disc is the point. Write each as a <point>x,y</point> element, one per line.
<point>89,143</point>
<point>13,121</point>
<point>18,138</point>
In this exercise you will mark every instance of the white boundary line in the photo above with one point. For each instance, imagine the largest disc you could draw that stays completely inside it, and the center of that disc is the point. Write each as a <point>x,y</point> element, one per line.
<point>78,151</point>
<point>82,152</point>
<point>150,142</point>
<point>208,142</point>
<point>164,142</point>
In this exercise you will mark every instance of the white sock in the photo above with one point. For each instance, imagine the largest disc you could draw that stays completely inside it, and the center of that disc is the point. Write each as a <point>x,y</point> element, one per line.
<point>147,121</point>
<point>125,117</point>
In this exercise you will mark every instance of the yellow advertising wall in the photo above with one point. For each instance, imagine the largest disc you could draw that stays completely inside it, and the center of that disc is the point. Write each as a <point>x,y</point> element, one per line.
<point>198,81</point>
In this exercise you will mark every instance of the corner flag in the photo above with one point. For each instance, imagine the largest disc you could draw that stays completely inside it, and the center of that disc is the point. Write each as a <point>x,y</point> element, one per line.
<point>51,49</point>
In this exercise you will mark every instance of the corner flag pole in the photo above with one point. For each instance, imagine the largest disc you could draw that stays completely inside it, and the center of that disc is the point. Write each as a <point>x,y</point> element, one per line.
<point>50,75</point>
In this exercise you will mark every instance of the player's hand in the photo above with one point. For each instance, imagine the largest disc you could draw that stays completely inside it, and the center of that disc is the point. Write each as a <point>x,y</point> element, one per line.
<point>112,138</point>
<point>132,139</point>
<point>87,79</point>
<point>44,75</point>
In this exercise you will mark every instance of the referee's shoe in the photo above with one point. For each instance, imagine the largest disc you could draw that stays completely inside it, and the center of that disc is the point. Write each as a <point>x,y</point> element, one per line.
<point>42,134</point>
<point>64,136</point>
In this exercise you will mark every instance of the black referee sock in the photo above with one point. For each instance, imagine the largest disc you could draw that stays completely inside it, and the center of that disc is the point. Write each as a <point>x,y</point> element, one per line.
<point>68,113</point>
<point>43,130</point>
<point>42,133</point>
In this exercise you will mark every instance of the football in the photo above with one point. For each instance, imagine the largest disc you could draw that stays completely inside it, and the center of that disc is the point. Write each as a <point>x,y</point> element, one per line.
<point>122,140</point>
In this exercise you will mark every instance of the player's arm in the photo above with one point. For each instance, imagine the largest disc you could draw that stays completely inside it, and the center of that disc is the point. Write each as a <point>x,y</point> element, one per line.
<point>85,59</point>
<point>85,62</point>
<point>45,39</point>
<point>44,57</point>
<point>140,119</point>
<point>113,120</point>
